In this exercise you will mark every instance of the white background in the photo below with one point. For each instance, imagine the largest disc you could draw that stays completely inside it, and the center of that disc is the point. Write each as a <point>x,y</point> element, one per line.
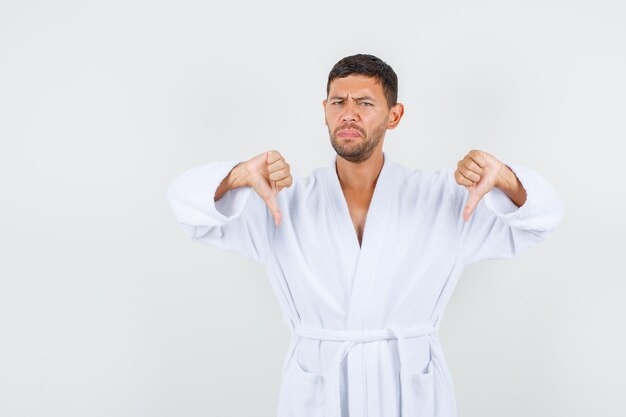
<point>108,309</point>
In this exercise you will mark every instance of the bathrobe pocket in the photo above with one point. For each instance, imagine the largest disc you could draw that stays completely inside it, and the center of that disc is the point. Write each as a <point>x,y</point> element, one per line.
<point>422,400</point>
<point>302,392</point>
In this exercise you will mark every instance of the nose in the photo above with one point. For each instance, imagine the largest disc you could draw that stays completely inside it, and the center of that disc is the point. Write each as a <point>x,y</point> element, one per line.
<point>350,112</point>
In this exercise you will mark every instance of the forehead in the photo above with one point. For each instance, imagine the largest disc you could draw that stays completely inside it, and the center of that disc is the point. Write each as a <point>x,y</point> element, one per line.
<point>356,85</point>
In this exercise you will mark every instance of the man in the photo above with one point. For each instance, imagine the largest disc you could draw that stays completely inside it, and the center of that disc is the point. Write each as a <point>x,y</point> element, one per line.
<point>364,254</point>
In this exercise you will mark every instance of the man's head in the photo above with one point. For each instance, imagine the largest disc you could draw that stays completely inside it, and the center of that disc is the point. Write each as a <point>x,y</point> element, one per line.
<point>361,104</point>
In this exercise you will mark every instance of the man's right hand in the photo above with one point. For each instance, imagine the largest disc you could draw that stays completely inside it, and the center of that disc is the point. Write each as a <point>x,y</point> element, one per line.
<point>267,174</point>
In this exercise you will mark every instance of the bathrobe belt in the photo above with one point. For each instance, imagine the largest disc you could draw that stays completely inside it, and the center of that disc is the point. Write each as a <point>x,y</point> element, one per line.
<point>351,338</point>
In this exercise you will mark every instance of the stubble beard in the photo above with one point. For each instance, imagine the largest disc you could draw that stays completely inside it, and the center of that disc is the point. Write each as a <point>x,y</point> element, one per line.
<point>360,148</point>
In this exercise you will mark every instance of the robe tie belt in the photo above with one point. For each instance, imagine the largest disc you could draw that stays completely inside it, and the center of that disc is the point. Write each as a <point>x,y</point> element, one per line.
<point>351,338</point>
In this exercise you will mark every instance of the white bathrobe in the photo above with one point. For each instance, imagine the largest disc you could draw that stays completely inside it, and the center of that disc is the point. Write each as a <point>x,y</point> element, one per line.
<point>364,319</point>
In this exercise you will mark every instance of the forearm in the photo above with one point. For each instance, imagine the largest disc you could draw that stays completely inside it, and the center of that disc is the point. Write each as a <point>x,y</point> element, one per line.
<point>237,177</point>
<point>511,185</point>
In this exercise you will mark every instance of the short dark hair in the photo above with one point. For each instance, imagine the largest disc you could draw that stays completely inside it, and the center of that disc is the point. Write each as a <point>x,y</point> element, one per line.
<point>368,65</point>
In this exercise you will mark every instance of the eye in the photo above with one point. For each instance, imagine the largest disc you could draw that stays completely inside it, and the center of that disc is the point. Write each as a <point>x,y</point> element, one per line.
<point>369,104</point>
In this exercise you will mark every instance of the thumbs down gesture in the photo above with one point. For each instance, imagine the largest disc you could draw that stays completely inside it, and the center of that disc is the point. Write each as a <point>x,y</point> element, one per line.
<point>479,172</point>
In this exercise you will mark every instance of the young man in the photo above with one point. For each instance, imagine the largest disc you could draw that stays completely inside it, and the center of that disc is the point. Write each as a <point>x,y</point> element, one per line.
<point>364,254</point>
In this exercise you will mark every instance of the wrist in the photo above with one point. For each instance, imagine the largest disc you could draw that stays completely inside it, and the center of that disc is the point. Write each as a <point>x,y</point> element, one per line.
<point>503,180</point>
<point>239,176</point>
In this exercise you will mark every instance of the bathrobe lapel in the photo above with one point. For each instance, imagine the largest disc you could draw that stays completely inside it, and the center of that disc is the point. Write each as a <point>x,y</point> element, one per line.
<point>363,259</point>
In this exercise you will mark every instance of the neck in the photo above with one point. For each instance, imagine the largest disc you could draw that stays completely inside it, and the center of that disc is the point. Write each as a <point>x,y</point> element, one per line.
<point>359,175</point>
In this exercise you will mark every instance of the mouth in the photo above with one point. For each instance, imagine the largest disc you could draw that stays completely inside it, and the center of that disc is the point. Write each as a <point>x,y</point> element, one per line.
<point>348,133</point>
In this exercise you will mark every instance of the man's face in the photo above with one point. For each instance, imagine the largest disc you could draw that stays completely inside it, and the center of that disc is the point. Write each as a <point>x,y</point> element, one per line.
<point>357,116</point>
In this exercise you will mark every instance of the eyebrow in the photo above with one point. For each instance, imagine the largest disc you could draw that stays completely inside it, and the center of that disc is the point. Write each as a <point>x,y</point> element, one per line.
<point>354,98</point>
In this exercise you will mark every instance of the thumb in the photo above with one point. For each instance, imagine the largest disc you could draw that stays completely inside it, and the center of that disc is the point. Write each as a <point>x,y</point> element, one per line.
<point>269,192</point>
<point>271,200</point>
<point>472,201</point>
<point>272,204</point>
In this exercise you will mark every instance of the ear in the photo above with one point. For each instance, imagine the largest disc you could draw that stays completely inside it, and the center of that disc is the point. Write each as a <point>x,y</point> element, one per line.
<point>395,114</point>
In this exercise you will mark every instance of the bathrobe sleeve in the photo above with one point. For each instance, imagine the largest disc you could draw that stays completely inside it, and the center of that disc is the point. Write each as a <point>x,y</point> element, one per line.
<point>497,228</point>
<point>239,222</point>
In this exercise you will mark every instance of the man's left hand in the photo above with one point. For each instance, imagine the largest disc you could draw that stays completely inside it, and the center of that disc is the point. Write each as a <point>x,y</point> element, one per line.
<point>479,172</point>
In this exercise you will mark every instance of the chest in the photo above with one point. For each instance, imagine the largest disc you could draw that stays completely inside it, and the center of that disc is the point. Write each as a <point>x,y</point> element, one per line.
<point>358,205</point>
